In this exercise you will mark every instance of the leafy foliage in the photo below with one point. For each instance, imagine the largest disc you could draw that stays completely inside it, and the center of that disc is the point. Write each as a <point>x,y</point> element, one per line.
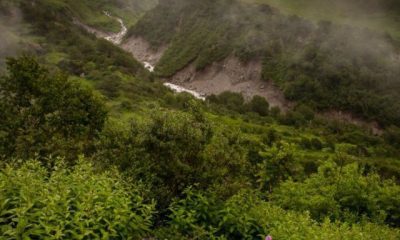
<point>226,168</point>
<point>279,164</point>
<point>173,151</point>
<point>62,203</point>
<point>342,193</point>
<point>246,216</point>
<point>46,113</point>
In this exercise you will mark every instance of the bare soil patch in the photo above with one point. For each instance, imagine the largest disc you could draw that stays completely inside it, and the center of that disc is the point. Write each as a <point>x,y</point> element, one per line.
<point>231,75</point>
<point>142,50</point>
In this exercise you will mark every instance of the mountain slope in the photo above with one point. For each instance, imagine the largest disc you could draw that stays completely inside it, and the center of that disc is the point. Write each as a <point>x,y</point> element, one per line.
<point>325,65</point>
<point>116,155</point>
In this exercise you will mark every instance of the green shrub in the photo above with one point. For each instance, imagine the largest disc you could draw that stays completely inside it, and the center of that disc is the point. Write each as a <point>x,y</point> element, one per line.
<point>392,136</point>
<point>110,86</point>
<point>280,162</point>
<point>342,193</point>
<point>246,216</point>
<point>77,203</point>
<point>316,144</point>
<point>259,105</point>
<point>44,113</point>
<point>232,101</point>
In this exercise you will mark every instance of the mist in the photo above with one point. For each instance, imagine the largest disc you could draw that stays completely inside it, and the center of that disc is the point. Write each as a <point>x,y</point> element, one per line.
<point>11,30</point>
<point>261,24</point>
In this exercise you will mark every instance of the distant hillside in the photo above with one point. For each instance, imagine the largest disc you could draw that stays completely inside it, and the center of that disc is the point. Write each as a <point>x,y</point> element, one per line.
<point>380,15</point>
<point>23,25</point>
<point>324,64</point>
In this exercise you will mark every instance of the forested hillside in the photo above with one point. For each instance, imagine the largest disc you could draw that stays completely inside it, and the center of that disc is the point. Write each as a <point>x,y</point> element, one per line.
<point>94,146</point>
<point>324,64</point>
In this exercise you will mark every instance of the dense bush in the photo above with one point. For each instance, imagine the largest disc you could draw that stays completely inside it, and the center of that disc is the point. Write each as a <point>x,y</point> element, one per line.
<point>174,150</point>
<point>62,203</point>
<point>235,102</point>
<point>344,193</point>
<point>232,101</point>
<point>392,136</point>
<point>45,113</point>
<point>279,163</point>
<point>259,105</point>
<point>110,86</point>
<point>247,216</point>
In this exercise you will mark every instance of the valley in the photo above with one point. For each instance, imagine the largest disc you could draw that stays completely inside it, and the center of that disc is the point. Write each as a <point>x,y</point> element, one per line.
<point>199,119</point>
<point>229,75</point>
<point>138,52</point>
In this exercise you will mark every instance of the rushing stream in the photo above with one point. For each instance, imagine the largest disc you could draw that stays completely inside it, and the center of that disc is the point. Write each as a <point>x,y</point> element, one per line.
<point>116,38</point>
<point>180,89</point>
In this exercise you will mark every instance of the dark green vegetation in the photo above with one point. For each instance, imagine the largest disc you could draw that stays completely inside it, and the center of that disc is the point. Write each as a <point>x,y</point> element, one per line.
<point>166,166</point>
<point>325,65</point>
<point>58,111</point>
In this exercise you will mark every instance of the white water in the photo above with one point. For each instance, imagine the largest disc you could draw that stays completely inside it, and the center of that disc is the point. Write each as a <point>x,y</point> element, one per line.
<point>148,66</point>
<point>116,38</point>
<point>180,89</point>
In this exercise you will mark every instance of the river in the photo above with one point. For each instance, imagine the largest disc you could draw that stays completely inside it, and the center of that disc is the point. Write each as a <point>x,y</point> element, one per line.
<point>116,38</point>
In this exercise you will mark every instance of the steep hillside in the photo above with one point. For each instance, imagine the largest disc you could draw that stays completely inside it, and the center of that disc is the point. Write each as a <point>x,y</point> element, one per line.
<point>18,29</point>
<point>325,65</point>
<point>49,30</point>
<point>94,146</point>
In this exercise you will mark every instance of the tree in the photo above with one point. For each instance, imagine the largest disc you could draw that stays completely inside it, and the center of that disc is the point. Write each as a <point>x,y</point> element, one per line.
<point>45,113</point>
<point>279,164</point>
<point>232,101</point>
<point>174,144</point>
<point>259,105</point>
